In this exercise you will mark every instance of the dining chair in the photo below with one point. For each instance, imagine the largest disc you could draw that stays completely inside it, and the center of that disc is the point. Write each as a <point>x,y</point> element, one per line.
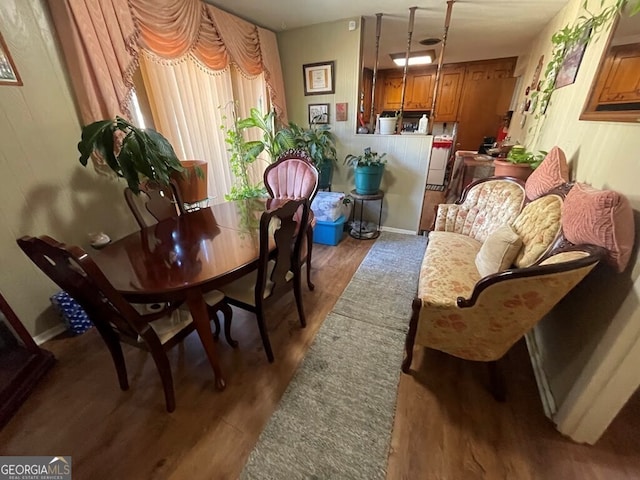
<point>163,202</point>
<point>283,226</point>
<point>292,176</point>
<point>116,320</point>
<point>160,201</point>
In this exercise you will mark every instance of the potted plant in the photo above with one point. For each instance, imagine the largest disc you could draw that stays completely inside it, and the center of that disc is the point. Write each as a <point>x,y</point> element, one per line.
<point>319,142</point>
<point>274,141</point>
<point>368,170</point>
<point>135,154</point>
<point>519,163</point>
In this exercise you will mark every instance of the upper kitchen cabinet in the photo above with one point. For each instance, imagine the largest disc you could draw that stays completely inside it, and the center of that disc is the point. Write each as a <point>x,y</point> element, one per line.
<point>449,91</point>
<point>390,86</point>
<point>418,93</point>
<point>421,91</point>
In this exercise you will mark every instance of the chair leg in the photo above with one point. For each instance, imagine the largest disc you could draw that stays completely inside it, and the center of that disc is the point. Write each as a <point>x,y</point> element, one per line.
<point>228,315</point>
<point>496,382</point>
<point>213,315</point>
<point>113,344</point>
<point>163,366</point>
<point>297,292</point>
<point>411,335</point>
<point>263,333</point>
<point>309,249</point>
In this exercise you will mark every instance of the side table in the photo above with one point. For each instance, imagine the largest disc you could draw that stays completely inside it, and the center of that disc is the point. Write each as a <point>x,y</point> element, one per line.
<point>363,233</point>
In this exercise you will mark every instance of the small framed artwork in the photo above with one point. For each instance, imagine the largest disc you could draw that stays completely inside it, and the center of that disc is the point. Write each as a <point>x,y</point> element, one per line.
<point>341,112</point>
<point>571,63</point>
<point>8,73</point>
<point>318,78</point>
<point>318,113</point>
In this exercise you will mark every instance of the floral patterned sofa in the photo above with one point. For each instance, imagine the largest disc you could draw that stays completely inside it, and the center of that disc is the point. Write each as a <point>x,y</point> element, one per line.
<point>479,317</point>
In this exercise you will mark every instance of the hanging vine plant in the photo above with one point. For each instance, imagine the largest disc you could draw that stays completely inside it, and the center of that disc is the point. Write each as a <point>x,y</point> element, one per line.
<point>586,27</point>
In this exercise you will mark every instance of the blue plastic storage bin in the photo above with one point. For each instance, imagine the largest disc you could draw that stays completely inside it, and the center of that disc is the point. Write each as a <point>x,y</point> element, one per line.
<point>329,233</point>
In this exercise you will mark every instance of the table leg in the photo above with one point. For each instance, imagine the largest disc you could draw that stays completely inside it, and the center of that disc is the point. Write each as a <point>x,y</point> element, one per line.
<point>200,315</point>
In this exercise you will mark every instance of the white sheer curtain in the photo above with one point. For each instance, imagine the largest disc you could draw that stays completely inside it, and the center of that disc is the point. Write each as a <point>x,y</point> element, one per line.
<point>251,93</point>
<point>188,102</point>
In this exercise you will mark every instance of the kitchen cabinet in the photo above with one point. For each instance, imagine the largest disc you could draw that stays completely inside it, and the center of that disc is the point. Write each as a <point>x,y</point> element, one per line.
<point>621,79</point>
<point>421,91</point>
<point>449,91</point>
<point>470,92</point>
<point>418,92</point>
<point>391,87</point>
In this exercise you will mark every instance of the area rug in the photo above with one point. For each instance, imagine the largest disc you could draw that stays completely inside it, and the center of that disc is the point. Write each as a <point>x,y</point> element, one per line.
<point>335,418</point>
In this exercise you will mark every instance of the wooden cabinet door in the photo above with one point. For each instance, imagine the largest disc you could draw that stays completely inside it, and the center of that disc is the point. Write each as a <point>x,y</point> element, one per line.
<point>392,92</point>
<point>622,81</point>
<point>421,92</point>
<point>449,92</point>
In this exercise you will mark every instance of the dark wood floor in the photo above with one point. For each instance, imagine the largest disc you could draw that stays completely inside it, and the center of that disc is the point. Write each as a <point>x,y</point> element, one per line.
<point>447,426</point>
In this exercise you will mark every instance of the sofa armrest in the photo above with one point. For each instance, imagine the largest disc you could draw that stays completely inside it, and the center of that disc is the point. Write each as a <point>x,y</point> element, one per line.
<point>449,218</point>
<point>572,263</point>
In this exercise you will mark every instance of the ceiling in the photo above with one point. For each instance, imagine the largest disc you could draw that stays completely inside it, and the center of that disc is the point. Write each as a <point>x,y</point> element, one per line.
<point>479,29</point>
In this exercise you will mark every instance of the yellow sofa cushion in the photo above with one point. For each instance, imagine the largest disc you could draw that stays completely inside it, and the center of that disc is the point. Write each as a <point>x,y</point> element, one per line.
<point>448,268</point>
<point>538,226</point>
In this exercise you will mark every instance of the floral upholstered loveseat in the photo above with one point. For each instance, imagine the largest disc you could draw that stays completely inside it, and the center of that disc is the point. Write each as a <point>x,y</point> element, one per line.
<point>476,316</point>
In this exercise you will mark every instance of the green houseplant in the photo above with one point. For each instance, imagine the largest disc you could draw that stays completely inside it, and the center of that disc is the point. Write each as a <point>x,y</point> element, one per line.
<point>519,162</point>
<point>368,169</point>
<point>320,143</point>
<point>132,153</point>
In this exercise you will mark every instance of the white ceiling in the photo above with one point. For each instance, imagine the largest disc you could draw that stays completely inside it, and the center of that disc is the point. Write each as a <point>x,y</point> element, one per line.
<point>479,29</point>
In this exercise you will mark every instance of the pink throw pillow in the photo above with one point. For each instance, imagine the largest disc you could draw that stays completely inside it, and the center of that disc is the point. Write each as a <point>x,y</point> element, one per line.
<point>600,217</point>
<point>551,173</point>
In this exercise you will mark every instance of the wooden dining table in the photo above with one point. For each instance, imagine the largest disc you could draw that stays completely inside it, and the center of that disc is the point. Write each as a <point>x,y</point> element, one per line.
<point>182,258</point>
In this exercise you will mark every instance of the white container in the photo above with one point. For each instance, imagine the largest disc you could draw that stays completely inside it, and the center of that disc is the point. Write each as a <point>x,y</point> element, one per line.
<point>387,125</point>
<point>328,206</point>
<point>423,124</point>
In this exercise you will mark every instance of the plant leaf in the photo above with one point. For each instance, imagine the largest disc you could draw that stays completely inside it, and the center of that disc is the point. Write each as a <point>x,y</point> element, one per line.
<point>90,135</point>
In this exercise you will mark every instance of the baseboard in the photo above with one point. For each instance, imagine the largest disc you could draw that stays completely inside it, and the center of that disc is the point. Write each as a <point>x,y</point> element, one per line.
<point>546,396</point>
<point>398,230</point>
<point>49,334</point>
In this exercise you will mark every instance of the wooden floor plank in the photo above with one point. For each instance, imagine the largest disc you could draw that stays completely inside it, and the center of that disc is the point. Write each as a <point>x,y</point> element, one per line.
<point>447,425</point>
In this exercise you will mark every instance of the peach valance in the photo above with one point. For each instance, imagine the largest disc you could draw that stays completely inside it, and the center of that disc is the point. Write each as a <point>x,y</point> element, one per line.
<point>101,40</point>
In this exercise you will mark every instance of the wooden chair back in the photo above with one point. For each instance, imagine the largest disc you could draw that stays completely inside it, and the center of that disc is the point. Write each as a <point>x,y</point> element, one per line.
<point>114,317</point>
<point>161,202</point>
<point>75,272</point>
<point>285,223</point>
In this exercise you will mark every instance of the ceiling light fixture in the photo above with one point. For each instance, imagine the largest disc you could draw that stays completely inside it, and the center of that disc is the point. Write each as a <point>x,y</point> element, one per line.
<point>415,58</point>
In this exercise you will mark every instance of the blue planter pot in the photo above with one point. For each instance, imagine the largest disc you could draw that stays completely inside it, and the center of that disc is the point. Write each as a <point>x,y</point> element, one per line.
<point>368,179</point>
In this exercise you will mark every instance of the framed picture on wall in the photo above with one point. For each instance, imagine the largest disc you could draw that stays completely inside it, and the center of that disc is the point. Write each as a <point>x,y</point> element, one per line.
<point>8,72</point>
<point>571,63</point>
<point>318,113</point>
<point>318,78</point>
